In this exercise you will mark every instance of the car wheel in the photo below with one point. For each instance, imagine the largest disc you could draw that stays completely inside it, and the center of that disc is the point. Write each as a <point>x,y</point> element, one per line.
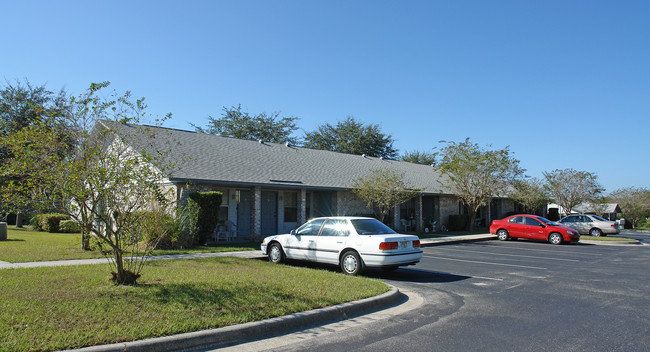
<point>555,238</point>
<point>502,235</point>
<point>276,255</point>
<point>351,263</point>
<point>595,232</point>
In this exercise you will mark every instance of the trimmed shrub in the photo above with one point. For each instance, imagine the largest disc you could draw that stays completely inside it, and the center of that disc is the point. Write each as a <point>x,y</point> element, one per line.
<point>69,226</point>
<point>50,222</point>
<point>207,216</point>
<point>458,222</point>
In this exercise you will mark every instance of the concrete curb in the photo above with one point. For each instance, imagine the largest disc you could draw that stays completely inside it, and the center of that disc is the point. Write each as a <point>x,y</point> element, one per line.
<point>236,334</point>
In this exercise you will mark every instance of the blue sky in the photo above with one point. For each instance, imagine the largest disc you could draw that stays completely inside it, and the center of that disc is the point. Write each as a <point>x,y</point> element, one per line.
<point>565,84</point>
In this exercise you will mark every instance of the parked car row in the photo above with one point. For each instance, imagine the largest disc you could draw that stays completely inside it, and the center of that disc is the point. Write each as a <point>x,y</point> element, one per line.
<point>355,243</point>
<point>567,229</point>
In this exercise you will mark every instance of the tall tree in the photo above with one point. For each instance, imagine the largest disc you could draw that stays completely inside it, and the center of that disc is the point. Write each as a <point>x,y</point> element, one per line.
<point>569,187</point>
<point>384,189</point>
<point>476,175</point>
<point>352,137</point>
<point>106,180</point>
<point>419,157</point>
<point>530,193</point>
<point>23,105</point>
<point>634,203</point>
<point>239,124</point>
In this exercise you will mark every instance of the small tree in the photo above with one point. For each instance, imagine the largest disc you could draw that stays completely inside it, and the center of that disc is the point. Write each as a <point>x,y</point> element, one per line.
<point>475,175</point>
<point>384,189</point>
<point>530,193</point>
<point>352,137</point>
<point>634,203</point>
<point>570,187</point>
<point>239,124</point>
<point>104,180</point>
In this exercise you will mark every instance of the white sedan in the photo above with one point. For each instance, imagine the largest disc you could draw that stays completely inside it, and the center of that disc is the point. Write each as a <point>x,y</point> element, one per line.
<point>351,242</point>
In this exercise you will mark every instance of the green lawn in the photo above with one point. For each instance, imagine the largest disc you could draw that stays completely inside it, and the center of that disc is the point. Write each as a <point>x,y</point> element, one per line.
<point>71,307</point>
<point>24,245</point>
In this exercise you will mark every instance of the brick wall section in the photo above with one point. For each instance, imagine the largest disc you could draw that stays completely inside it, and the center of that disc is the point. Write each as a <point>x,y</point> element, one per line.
<point>448,206</point>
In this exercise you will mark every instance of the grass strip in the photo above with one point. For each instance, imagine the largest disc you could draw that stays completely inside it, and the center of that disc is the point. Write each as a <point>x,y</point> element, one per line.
<point>24,245</point>
<point>69,307</point>
<point>606,238</point>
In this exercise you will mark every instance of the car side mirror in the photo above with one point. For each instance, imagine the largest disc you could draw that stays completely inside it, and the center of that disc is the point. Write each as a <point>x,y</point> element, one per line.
<point>292,233</point>
<point>542,226</point>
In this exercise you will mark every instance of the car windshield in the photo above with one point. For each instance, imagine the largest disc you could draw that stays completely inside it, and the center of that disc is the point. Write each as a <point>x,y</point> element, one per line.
<point>370,227</point>
<point>598,218</point>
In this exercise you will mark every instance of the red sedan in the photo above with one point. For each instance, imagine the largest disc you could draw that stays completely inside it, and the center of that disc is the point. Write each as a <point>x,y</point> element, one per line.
<point>533,227</point>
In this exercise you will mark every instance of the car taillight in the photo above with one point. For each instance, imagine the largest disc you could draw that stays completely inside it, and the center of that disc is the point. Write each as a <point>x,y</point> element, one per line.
<point>613,225</point>
<point>387,245</point>
<point>416,244</point>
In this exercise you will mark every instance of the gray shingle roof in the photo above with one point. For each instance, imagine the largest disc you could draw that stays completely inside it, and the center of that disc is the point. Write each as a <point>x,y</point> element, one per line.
<point>207,158</point>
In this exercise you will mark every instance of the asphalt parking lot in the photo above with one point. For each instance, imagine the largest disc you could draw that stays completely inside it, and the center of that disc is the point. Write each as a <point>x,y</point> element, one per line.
<point>514,296</point>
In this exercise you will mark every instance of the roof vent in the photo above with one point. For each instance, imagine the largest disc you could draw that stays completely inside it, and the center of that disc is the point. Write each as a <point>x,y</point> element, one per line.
<point>381,158</point>
<point>261,141</point>
<point>364,155</point>
<point>287,143</point>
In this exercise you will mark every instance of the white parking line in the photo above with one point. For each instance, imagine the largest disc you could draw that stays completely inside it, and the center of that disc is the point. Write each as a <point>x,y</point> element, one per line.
<point>510,255</point>
<point>489,263</point>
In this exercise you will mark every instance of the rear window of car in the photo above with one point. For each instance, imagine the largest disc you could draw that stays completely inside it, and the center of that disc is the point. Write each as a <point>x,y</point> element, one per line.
<point>335,227</point>
<point>516,220</point>
<point>371,227</point>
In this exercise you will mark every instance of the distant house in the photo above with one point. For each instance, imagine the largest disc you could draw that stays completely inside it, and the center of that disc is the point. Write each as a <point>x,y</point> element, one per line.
<point>271,188</point>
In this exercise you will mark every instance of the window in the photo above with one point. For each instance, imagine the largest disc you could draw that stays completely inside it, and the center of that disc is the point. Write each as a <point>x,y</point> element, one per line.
<point>516,220</point>
<point>371,227</point>
<point>532,222</point>
<point>310,228</point>
<point>570,219</point>
<point>335,227</point>
<point>290,207</point>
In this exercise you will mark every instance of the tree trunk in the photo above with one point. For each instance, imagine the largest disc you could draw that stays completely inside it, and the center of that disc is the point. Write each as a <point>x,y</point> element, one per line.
<point>472,216</point>
<point>19,220</point>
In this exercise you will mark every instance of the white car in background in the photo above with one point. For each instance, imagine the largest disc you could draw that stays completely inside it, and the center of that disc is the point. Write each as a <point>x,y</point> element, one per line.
<point>354,243</point>
<point>588,224</point>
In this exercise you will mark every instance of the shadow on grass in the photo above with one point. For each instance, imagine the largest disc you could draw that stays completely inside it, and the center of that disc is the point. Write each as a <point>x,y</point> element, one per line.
<point>12,240</point>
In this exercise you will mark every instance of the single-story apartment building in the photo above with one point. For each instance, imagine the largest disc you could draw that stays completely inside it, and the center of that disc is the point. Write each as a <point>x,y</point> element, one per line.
<point>271,188</point>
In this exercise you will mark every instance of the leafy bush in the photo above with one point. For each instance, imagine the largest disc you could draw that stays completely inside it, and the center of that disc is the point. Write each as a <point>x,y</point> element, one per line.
<point>458,222</point>
<point>207,216</point>
<point>50,222</point>
<point>69,226</point>
<point>35,223</point>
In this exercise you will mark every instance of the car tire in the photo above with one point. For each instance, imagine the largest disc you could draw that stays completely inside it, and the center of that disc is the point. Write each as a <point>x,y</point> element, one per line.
<point>555,238</point>
<point>596,232</point>
<point>276,255</point>
<point>351,263</point>
<point>503,235</point>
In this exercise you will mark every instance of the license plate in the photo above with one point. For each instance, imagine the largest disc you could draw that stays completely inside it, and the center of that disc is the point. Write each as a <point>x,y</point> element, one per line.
<point>403,244</point>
